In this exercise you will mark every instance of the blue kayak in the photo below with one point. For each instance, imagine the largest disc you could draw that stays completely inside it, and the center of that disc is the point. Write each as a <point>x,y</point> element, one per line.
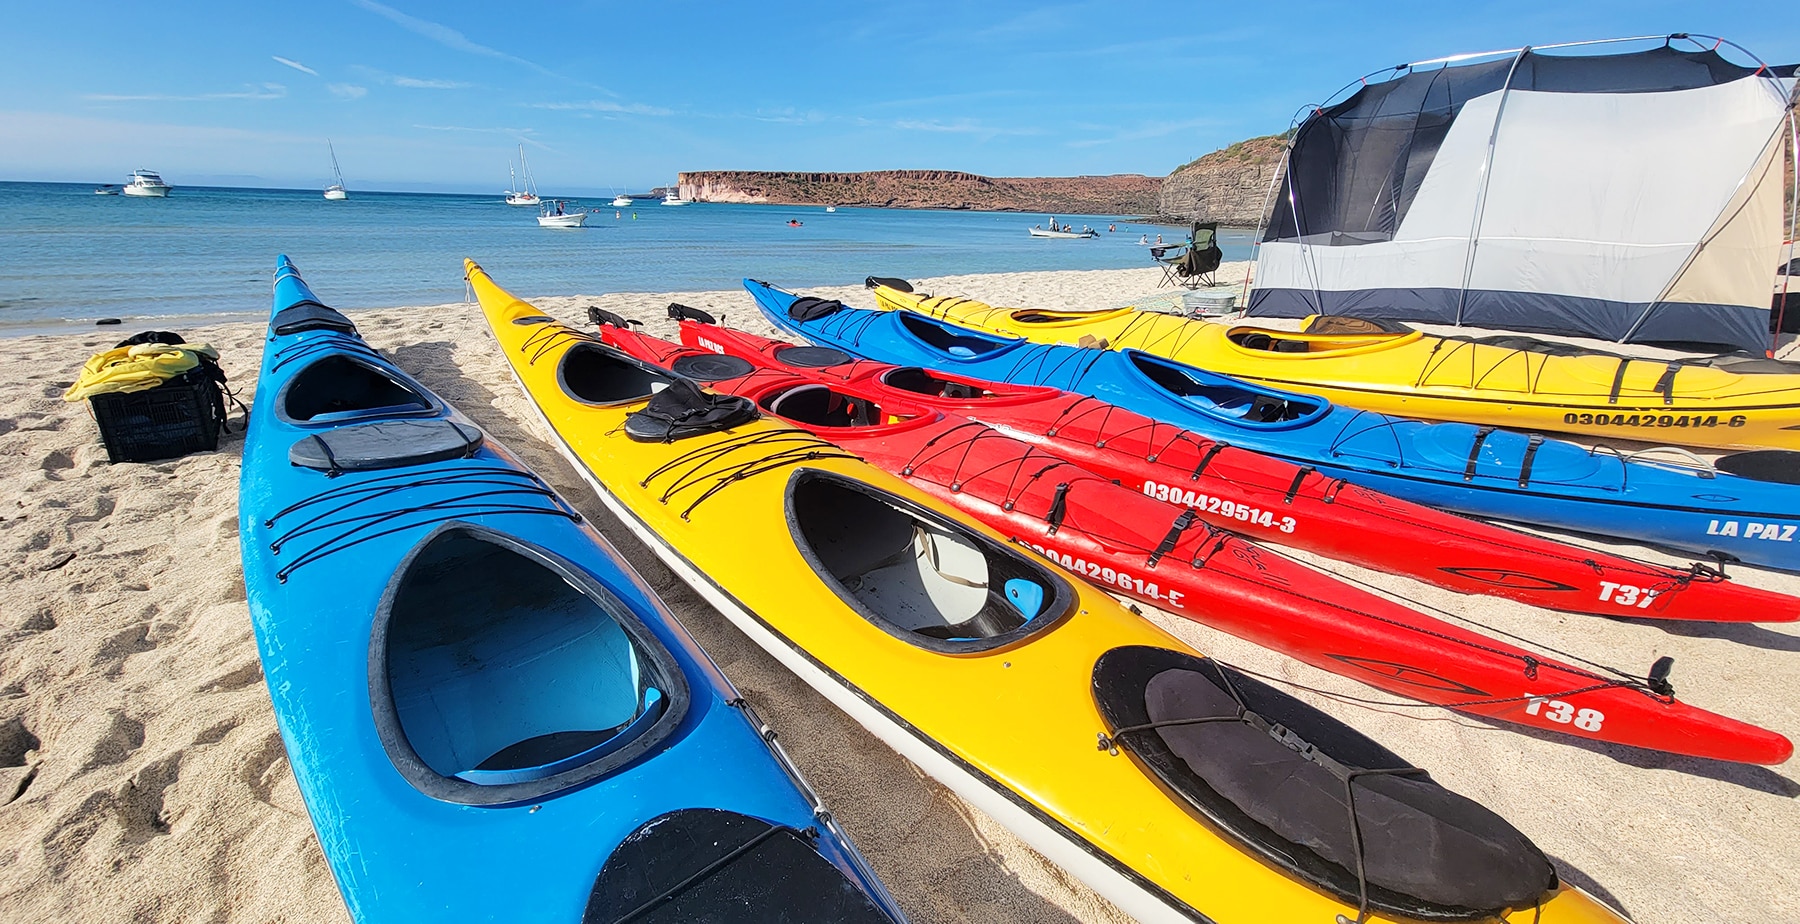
<point>490,716</point>
<point>1743,508</point>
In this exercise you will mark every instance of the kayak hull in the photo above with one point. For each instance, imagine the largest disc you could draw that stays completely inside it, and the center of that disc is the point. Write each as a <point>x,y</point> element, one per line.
<point>1503,382</point>
<point>334,556</point>
<point>1026,756</point>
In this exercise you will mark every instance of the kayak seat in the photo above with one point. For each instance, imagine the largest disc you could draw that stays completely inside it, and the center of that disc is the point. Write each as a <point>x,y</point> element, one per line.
<point>950,339</point>
<point>923,382</point>
<point>600,375</point>
<point>806,308</point>
<point>384,444</point>
<point>341,387</point>
<point>720,867</point>
<point>684,410</point>
<point>928,582</point>
<point>819,406</point>
<point>500,671</point>
<point>1281,778</point>
<point>1291,346</point>
<point>308,315</point>
<point>1777,466</point>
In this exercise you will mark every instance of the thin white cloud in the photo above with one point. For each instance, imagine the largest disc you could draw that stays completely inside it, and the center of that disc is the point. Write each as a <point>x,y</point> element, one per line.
<point>250,91</point>
<point>450,38</point>
<point>522,135</point>
<point>600,105</point>
<point>347,90</point>
<point>295,65</point>
<point>420,83</point>
<point>961,126</point>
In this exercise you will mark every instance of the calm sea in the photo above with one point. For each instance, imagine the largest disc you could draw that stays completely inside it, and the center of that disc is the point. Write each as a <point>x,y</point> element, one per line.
<point>68,257</point>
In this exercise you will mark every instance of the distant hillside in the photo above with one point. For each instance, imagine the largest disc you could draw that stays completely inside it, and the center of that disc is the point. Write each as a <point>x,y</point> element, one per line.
<point>1121,194</point>
<point>1226,186</point>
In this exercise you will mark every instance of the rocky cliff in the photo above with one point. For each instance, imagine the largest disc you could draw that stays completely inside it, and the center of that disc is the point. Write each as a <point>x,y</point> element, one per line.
<point>1121,194</point>
<point>1226,186</point>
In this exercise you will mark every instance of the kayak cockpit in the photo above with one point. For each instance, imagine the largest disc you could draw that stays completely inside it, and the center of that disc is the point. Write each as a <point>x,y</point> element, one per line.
<point>499,673</point>
<point>1042,317</point>
<point>703,864</point>
<point>820,406</point>
<point>917,576</point>
<point>922,381</point>
<point>602,376</point>
<point>959,342</point>
<point>343,386</point>
<point>1282,778</point>
<point>1264,340</point>
<point>1228,399</point>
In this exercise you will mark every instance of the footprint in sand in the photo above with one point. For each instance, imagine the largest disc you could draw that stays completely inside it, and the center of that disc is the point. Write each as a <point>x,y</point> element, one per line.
<point>110,659</point>
<point>18,759</point>
<point>139,803</point>
<point>122,737</point>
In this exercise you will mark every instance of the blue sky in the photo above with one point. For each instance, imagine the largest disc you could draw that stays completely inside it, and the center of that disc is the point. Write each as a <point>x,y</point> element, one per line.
<point>438,95</point>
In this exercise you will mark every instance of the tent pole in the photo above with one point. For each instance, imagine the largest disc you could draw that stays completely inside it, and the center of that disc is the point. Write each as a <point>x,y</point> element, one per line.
<point>1787,262</point>
<point>1487,166</point>
<point>1698,245</point>
<point>1262,217</point>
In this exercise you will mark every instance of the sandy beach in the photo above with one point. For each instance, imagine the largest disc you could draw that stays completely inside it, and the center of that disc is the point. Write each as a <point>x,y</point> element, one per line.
<point>142,779</point>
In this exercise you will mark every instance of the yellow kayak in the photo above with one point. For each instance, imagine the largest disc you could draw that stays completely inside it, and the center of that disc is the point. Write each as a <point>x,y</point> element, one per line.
<point>988,668</point>
<point>1506,381</point>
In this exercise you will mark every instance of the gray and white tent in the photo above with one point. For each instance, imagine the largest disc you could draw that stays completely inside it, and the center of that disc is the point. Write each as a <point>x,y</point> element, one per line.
<point>1634,196</point>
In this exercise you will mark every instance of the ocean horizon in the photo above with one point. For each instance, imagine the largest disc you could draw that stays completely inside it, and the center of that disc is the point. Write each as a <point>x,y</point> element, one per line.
<point>69,257</point>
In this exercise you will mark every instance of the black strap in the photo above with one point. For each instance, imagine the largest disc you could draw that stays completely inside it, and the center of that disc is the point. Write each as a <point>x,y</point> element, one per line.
<point>332,471</point>
<point>1531,449</point>
<point>1206,460</point>
<point>1059,508</point>
<point>1666,384</point>
<point>1181,525</point>
<point>1481,436</point>
<point>1618,380</point>
<point>1299,477</point>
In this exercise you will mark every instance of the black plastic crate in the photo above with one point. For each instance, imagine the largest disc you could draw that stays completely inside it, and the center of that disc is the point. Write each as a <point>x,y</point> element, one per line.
<point>173,419</point>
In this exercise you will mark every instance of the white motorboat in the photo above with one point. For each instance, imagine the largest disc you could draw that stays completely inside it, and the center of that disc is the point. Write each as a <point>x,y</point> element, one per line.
<point>336,190</point>
<point>673,195</point>
<point>515,195</point>
<point>1086,232</point>
<point>622,202</point>
<point>106,189</point>
<point>146,184</point>
<point>557,214</point>
<point>831,208</point>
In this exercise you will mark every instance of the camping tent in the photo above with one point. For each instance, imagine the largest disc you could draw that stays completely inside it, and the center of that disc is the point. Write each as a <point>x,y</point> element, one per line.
<point>1633,196</point>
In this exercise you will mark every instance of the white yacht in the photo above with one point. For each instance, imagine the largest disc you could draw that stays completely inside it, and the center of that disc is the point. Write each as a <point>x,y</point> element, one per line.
<point>557,213</point>
<point>336,190</point>
<point>673,195</point>
<point>622,202</point>
<point>527,195</point>
<point>146,184</point>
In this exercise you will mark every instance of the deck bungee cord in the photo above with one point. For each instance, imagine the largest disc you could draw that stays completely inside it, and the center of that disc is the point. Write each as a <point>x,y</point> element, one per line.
<point>363,526</point>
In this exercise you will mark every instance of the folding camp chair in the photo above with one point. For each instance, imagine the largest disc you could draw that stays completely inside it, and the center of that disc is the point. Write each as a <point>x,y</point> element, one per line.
<point>1195,263</point>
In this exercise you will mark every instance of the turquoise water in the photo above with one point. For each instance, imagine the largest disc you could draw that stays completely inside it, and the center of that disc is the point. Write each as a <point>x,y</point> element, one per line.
<point>68,256</point>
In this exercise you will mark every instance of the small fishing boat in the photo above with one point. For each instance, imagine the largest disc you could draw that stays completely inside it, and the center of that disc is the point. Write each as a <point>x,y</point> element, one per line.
<point>831,208</point>
<point>145,184</point>
<point>622,202</point>
<point>1086,232</point>
<point>335,191</point>
<point>106,189</point>
<point>556,213</point>
<point>672,196</point>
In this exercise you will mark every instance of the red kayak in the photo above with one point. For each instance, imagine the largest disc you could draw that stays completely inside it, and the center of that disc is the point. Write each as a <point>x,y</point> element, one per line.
<point>1264,498</point>
<point>1141,547</point>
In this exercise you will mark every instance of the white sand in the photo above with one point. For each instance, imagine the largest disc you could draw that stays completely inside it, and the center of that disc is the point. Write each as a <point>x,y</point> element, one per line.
<point>155,788</point>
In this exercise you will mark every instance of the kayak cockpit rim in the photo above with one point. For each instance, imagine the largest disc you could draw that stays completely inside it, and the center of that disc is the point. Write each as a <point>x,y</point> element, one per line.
<point>1265,343</point>
<point>818,405</point>
<point>926,580</point>
<point>1049,317</point>
<point>600,376</point>
<point>922,381</point>
<point>953,341</point>
<point>341,385</point>
<point>1231,400</point>
<point>501,673</point>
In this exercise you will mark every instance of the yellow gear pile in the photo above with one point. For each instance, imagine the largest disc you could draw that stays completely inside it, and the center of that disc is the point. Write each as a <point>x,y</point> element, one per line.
<point>139,367</point>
